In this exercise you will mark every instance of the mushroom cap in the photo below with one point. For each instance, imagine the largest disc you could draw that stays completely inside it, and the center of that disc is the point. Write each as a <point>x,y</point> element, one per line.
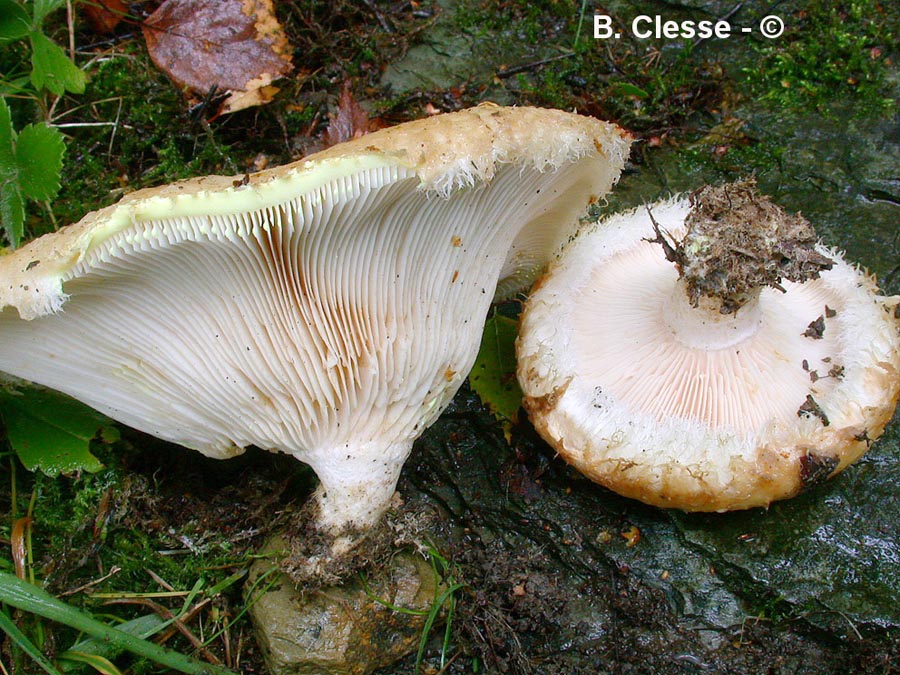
<point>694,409</point>
<point>446,153</point>
<point>328,308</point>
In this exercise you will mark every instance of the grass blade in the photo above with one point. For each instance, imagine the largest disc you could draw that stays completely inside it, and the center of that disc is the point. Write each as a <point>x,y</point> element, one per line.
<point>99,663</point>
<point>30,598</point>
<point>142,627</point>
<point>26,645</point>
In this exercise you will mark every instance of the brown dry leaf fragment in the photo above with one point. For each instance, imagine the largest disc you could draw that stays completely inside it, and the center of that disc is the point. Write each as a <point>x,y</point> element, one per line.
<point>816,329</point>
<point>103,15</point>
<point>811,408</point>
<point>233,45</point>
<point>631,536</point>
<point>348,121</point>
<point>18,538</point>
<point>816,469</point>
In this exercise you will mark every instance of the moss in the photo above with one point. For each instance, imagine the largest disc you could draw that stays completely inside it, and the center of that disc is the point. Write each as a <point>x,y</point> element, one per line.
<point>849,57</point>
<point>549,88</point>
<point>64,517</point>
<point>530,18</point>
<point>644,86</point>
<point>734,157</point>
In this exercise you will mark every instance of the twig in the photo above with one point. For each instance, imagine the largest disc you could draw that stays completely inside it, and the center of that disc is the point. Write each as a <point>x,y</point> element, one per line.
<point>187,616</point>
<point>115,570</point>
<point>507,72</point>
<point>112,136</point>
<point>449,663</point>
<point>226,638</point>
<point>70,24</point>
<point>236,664</point>
<point>77,125</point>
<point>671,252</point>
<point>158,579</point>
<point>734,10</point>
<point>382,19</point>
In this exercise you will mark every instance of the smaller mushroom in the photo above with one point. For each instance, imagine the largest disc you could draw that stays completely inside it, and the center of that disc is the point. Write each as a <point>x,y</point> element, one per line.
<point>708,354</point>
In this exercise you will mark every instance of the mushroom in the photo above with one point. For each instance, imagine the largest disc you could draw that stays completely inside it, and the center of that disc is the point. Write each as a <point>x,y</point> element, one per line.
<point>329,308</point>
<point>736,367</point>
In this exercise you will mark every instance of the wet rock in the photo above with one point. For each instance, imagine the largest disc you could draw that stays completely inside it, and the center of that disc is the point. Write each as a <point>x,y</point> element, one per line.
<point>449,55</point>
<point>340,630</point>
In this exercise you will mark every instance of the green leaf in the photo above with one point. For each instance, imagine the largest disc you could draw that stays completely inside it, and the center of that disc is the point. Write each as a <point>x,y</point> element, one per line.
<point>50,431</point>
<point>43,7</point>
<point>39,155</point>
<point>142,627</point>
<point>101,664</point>
<point>12,207</point>
<point>15,86</point>
<point>14,21</point>
<point>629,90</point>
<point>493,377</point>
<point>7,140</point>
<point>30,166</point>
<point>52,69</point>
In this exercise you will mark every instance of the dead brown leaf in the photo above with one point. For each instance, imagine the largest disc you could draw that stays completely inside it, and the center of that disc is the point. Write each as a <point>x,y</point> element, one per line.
<point>103,15</point>
<point>18,539</point>
<point>236,46</point>
<point>349,120</point>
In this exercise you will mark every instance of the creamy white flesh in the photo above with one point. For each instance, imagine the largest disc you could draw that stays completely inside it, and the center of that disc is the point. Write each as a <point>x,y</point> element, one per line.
<point>333,322</point>
<point>687,407</point>
<point>657,354</point>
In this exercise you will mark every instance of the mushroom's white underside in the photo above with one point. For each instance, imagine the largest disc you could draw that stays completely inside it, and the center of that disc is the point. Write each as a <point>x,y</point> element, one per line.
<point>329,308</point>
<point>687,407</point>
<point>647,345</point>
<point>336,320</point>
<point>313,321</point>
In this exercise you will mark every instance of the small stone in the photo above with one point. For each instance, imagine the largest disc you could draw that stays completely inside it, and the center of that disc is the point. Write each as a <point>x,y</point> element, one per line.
<point>340,630</point>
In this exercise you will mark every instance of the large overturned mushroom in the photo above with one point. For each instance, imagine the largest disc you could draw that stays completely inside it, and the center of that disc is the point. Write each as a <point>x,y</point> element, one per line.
<point>707,354</point>
<point>328,309</point>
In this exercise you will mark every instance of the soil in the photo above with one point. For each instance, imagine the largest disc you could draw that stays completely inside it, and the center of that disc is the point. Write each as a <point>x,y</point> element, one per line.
<point>738,242</point>
<point>540,600</point>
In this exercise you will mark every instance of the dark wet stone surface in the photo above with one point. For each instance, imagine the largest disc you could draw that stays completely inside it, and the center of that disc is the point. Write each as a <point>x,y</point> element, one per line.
<point>564,576</point>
